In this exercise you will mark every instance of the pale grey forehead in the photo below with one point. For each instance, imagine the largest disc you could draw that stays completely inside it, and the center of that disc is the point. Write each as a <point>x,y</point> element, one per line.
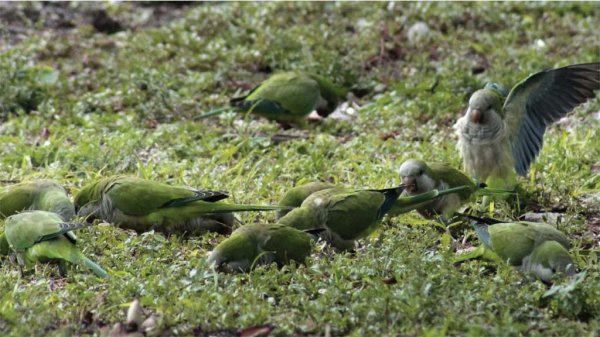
<point>480,98</point>
<point>410,167</point>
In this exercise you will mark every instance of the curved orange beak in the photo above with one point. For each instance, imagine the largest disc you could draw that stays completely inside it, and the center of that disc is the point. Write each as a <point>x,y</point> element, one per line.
<point>475,115</point>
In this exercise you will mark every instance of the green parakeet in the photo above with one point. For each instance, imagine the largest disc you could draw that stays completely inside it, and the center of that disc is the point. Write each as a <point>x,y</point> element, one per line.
<point>144,205</point>
<point>46,195</point>
<point>419,177</point>
<point>40,236</point>
<point>289,97</point>
<point>537,248</point>
<point>295,196</point>
<point>258,244</point>
<point>347,215</point>
<point>501,134</point>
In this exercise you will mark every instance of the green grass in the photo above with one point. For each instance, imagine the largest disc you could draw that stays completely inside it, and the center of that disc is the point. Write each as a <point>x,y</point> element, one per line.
<point>89,104</point>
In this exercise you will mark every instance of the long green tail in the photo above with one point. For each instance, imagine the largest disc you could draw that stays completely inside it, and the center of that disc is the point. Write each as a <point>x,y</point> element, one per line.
<point>407,204</point>
<point>412,201</point>
<point>474,254</point>
<point>213,113</point>
<point>94,267</point>
<point>481,252</point>
<point>217,207</point>
<point>493,191</point>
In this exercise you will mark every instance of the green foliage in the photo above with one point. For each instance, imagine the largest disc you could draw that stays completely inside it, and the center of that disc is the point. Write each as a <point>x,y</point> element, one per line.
<point>98,105</point>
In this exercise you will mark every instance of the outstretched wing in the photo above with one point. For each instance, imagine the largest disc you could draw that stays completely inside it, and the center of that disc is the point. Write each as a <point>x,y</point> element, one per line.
<point>542,99</point>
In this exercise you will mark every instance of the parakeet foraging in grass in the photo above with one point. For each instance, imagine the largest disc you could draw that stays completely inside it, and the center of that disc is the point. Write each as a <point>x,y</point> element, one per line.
<point>46,195</point>
<point>259,244</point>
<point>40,236</point>
<point>296,196</point>
<point>144,205</point>
<point>538,248</point>
<point>288,97</point>
<point>418,177</point>
<point>502,133</point>
<point>348,215</point>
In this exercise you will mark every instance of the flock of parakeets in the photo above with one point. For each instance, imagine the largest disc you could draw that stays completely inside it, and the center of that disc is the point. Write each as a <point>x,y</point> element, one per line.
<point>500,135</point>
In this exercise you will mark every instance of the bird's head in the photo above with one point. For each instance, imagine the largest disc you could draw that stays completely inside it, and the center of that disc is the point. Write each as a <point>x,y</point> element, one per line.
<point>416,177</point>
<point>332,94</point>
<point>498,88</point>
<point>549,258</point>
<point>238,252</point>
<point>563,263</point>
<point>87,194</point>
<point>485,107</point>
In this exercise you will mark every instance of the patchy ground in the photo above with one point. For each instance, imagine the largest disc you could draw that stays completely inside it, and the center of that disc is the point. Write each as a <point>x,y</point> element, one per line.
<point>109,88</point>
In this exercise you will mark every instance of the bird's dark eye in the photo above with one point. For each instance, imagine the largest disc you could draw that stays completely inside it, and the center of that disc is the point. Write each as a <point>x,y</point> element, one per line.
<point>489,107</point>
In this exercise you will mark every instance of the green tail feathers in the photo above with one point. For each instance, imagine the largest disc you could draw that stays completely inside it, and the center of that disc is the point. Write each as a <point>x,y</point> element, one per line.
<point>213,113</point>
<point>474,254</point>
<point>484,189</point>
<point>226,208</point>
<point>427,196</point>
<point>94,267</point>
<point>494,191</point>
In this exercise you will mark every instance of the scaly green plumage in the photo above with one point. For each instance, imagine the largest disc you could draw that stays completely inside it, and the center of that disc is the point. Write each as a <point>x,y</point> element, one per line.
<point>289,97</point>
<point>40,236</point>
<point>500,135</point>
<point>144,205</point>
<point>419,177</point>
<point>258,244</point>
<point>295,196</point>
<point>45,195</point>
<point>347,215</point>
<point>537,248</point>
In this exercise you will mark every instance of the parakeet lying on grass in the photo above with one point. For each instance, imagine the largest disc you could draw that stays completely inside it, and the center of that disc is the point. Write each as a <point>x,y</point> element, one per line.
<point>40,236</point>
<point>348,215</point>
<point>144,205</point>
<point>537,248</point>
<point>288,97</point>
<point>258,244</point>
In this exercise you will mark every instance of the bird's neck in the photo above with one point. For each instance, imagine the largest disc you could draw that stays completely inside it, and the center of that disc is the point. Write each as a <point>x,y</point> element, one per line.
<point>478,133</point>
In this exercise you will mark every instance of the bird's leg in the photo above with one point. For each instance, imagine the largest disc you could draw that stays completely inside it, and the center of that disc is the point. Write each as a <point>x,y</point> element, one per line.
<point>21,263</point>
<point>62,268</point>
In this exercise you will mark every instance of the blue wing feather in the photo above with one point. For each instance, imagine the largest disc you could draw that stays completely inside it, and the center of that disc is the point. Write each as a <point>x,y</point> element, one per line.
<point>262,106</point>
<point>542,99</point>
<point>482,233</point>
